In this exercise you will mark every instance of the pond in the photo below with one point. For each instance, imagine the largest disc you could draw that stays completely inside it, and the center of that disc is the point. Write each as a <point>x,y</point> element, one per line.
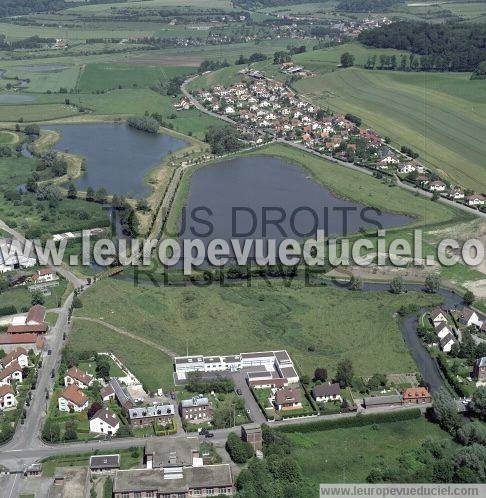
<point>117,157</point>
<point>43,68</point>
<point>273,189</point>
<point>15,98</point>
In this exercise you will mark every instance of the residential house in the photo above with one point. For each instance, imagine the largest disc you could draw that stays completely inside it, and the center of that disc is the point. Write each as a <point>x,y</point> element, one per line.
<point>406,169</point>
<point>456,194</point>
<point>288,399</point>
<point>151,415</point>
<point>480,370</point>
<point>104,464</point>
<point>77,377</point>
<point>44,275</point>
<point>447,342</point>
<point>437,186</point>
<point>252,434</point>
<point>327,392</point>
<point>416,395</point>
<point>475,200</point>
<point>442,329</point>
<point>207,480</point>
<point>196,410</point>
<point>19,355</point>
<point>470,318</point>
<point>438,315</point>
<point>107,393</point>
<point>122,395</point>
<point>36,315</point>
<point>104,421</point>
<point>7,397</point>
<point>13,373</point>
<point>72,399</point>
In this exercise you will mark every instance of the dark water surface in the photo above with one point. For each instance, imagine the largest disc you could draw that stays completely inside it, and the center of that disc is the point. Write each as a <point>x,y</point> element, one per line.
<point>273,189</point>
<point>118,157</point>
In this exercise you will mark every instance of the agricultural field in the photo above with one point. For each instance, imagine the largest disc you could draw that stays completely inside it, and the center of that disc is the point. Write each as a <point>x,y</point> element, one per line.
<point>441,116</point>
<point>358,450</point>
<point>313,323</point>
<point>103,76</point>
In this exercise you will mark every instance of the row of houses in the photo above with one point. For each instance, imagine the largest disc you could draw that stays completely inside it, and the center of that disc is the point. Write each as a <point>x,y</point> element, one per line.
<point>12,366</point>
<point>265,105</point>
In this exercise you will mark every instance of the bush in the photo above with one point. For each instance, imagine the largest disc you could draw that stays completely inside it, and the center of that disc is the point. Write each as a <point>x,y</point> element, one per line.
<point>239,451</point>
<point>8,310</point>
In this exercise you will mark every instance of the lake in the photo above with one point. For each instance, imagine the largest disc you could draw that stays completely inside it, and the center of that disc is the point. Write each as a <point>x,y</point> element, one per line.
<point>117,157</point>
<point>272,189</point>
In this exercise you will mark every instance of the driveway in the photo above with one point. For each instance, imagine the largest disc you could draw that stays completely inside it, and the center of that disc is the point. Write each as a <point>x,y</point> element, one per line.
<point>250,403</point>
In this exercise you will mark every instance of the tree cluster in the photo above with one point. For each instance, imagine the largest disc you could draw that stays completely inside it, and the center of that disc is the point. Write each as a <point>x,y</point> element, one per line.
<point>223,139</point>
<point>444,47</point>
<point>255,57</point>
<point>143,123</point>
<point>366,5</point>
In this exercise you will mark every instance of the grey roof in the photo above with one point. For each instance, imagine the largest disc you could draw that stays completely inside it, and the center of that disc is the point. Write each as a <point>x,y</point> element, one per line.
<point>150,411</point>
<point>259,374</point>
<point>104,461</point>
<point>153,480</point>
<point>288,372</point>
<point>481,362</point>
<point>231,359</point>
<point>188,359</point>
<point>441,325</point>
<point>436,312</point>
<point>326,390</point>
<point>282,356</point>
<point>383,400</point>
<point>174,452</point>
<point>107,416</point>
<point>196,401</point>
<point>446,339</point>
<point>121,393</point>
<point>466,314</point>
<point>262,354</point>
<point>249,428</point>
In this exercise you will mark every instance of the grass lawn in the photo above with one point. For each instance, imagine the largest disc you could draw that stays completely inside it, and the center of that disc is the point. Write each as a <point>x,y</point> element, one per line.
<point>440,115</point>
<point>90,368</point>
<point>314,323</point>
<point>348,455</point>
<point>21,298</point>
<point>152,367</point>
<point>105,76</point>
<point>7,137</point>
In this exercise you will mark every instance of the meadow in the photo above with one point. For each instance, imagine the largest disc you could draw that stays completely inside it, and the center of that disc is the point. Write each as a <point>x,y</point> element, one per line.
<point>152,367</point>
<point>358,450</point>
<point>314,323</point>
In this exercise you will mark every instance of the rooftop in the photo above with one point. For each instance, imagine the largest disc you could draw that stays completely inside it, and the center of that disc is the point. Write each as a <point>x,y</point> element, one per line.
<point>104,461</point>
<point>150,411</point>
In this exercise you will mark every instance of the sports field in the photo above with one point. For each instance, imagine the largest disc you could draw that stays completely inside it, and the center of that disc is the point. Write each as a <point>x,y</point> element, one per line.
<point>442,116</point>
<point>314,323</point>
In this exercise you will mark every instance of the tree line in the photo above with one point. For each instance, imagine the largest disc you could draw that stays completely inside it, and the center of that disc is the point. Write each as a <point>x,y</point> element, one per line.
<point>367,5</point>
<point>442,47</point>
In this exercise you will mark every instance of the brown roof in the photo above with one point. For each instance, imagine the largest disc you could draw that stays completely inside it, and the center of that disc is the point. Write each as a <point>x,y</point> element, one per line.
<point>18,338</point>
<point>78,374</point>
<point>27,329</point>
<point>416,392</point>
<point>8,389</point>
<point>285,396</point>
<point>326,390</point>
<point>36,314</point>
<point>44,271</point>
<point>13,355</point>
<point>74,394</point>
<point>13,367</point>
<point>107,391</point>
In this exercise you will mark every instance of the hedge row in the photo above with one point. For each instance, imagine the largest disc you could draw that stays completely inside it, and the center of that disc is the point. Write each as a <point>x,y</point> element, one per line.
<point>356,421</point>
<point>8,310</point>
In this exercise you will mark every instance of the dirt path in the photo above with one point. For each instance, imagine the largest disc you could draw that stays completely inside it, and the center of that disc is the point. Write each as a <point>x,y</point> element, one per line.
<point>123,332</point>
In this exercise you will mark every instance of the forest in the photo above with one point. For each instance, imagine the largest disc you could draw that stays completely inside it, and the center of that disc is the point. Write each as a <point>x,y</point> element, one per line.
<point>458,46</point>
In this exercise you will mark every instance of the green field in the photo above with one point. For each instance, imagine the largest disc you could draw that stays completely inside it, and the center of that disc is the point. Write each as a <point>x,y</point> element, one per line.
<point>152,367</point>
<point>313,323</point>
<point>103,76</point>
<point>441,115</point>
<point>21,298</point>
<point>6,137</point>
<point>358,450</point>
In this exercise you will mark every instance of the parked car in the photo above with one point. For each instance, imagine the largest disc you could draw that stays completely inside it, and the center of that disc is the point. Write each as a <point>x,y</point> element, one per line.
<point>49,352</point>
<point>239,391</point>
<point>209,434</point>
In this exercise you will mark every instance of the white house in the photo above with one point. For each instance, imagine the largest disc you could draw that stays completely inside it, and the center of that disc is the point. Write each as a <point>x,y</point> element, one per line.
<point>447,342</point>
<point>229,110</point>
<point>327,392</point>
<point>405,169</point>
<point>437,186</point>
<point>12,373</point>
<point>44,275</point>
<point>7,398</point>
<point>19,355</point>
<point>72,399</point>
<point>104,421</point>
<point>437,315</point>
<point>469,317</point>
<point>288,399</point>
<point>442,330</point>
<point>475,200</point>
<point>77,377</point>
